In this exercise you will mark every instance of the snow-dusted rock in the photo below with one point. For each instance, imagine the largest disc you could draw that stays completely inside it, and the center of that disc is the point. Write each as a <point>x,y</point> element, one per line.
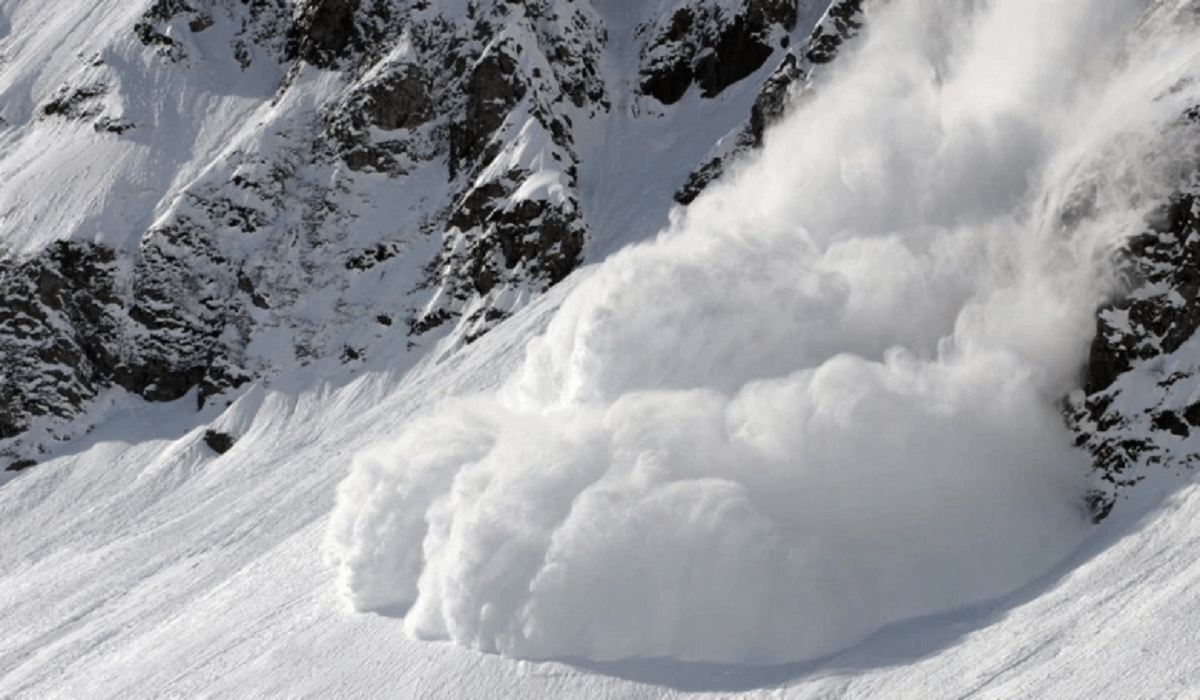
<point>711,44</point>
<point>1140,403</point>
<point>277,184</point>
<point>794,74</point>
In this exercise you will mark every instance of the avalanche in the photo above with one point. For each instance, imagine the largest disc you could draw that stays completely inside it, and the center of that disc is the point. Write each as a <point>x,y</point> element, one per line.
<point>803,438</point>
<point>826,399</point>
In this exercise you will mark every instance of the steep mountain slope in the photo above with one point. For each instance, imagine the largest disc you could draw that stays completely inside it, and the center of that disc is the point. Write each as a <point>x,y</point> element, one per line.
<point>244,188</point>
<point>808,441</point>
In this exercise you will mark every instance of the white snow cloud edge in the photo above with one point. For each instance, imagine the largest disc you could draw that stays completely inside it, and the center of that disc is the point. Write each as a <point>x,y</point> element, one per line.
<point>825,399</point>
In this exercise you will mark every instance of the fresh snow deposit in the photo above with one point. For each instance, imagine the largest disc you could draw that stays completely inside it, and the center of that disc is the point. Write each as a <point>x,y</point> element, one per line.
<point>825,399</point>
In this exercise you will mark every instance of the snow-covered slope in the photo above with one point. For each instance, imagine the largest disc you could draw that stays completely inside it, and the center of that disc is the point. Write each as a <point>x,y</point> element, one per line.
<point>198,195</point>
<point>149,566</point>
<point>808,441</point>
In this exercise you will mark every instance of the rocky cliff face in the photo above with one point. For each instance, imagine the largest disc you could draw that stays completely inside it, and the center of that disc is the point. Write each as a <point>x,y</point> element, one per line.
<point>412,170</point>
<point>792,78</point>
<point>1139,408</point>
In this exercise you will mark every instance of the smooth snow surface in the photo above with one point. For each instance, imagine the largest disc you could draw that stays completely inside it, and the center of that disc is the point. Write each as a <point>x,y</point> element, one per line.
<point>824,400</point>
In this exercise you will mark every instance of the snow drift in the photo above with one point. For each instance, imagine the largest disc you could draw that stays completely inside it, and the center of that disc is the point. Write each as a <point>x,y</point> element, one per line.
<point>826,399</point>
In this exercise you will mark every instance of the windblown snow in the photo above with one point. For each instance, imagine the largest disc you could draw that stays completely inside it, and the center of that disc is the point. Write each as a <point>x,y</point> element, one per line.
<point>826,398</point>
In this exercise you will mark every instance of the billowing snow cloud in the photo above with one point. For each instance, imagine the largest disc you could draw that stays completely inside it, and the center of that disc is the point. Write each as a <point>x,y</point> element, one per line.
<point>825,399</point>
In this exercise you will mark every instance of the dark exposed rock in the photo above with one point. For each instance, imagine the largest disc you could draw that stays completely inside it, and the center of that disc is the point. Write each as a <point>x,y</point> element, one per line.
<point>381,252</point>
<point>1156,312</point>
<point>160,12</point>
<point>218,441</point>
<point>697,45</point>
<point>843,22</point>
<point>158,380</point>
<point>771,102</point>
<point>21,465</point>
<point>1191,414</point>
<point>176,311</point>
<point>59,322</point>
<point>246,286</point>
<point>70,327</point>
<point>521,242</point>
<point>399,101</point>
<point>262,23</point>
<point>201,22</point>
<point>492,91</point>
<point>1129,329</point>
<point>701,178</point>
<point>323,31</point>
<point>668,80</point>
<point>75,103</point>
<point>511,70</point>
<point>1171,423</point>
<point>768,108</point>
<point>740,49</point>
<point>113,126</point>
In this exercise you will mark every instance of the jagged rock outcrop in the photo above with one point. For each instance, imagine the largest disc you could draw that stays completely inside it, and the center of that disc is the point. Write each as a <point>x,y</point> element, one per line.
<point>60,321</point>
<point>72,323</point>
<point>1138,406</point>
<point>792,76</point>
<point>711,45</point>
<point>258,27</point>
<point>324,31</point>
<point>842,22</point>
<point>218,441</point>
<point>463,121</point>
<point>493,101</point>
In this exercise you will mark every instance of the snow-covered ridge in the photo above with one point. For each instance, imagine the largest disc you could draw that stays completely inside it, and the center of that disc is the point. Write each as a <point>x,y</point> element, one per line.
<point>240,189</point>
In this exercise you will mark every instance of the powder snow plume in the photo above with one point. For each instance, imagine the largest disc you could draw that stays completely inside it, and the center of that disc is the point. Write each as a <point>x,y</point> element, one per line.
<point>826,398</point>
